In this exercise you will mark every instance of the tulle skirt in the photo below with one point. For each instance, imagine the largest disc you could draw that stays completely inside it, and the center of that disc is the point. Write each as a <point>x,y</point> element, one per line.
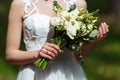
<point>63,67</point>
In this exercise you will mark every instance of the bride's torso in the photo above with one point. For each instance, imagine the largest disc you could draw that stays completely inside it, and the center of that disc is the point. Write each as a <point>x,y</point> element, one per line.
<point>36,25</point>
<point>37,14</point>
<point>37,31</point>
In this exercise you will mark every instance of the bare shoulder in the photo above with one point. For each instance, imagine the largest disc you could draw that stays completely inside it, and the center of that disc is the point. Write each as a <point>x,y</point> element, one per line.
<point>17,6</point>
<point>82,4</point>
<point>17,3</point>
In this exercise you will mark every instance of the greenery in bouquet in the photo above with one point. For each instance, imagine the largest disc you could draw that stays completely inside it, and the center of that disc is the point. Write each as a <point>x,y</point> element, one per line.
<point>71,26</point>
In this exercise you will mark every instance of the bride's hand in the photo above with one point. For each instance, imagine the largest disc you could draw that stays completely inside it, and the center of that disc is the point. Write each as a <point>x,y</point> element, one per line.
<point>49,51</point>
<point>103,31</point>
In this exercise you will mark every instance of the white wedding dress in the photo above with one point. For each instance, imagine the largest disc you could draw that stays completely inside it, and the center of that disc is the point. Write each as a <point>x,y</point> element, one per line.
<point>36,33</point>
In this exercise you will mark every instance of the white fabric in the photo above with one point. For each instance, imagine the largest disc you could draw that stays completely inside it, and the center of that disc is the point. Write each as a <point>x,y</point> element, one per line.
<point>29,3</point>
<point>63,67</point>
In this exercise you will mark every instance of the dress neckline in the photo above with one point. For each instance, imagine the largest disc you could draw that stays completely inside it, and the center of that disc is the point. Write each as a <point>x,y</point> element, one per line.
<point>34,11</point>
<point>38,15</point>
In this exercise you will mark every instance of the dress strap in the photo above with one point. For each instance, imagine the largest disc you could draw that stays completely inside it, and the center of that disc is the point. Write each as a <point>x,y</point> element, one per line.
<point>30,4</point>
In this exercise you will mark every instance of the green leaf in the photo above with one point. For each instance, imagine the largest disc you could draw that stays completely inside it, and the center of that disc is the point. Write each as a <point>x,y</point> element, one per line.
<point>93,33</point>
<point>94,13</point>
<point>56,7</point>
<point>86,39</point>
<point>72,7</point>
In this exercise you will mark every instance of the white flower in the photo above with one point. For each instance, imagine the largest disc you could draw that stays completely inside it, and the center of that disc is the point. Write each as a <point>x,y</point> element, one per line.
<point>71,30</point>
<point>55,21</point>
<point>74,14</point>
<point>84,29</point>
<point>76,11</point>
<point>90,26</point>
<point>66,24</point>
<point>78,25</point>
<point>63,14</point>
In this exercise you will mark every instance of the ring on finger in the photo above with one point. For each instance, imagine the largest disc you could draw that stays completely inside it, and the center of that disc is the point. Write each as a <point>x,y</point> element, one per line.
<point>46,52</point>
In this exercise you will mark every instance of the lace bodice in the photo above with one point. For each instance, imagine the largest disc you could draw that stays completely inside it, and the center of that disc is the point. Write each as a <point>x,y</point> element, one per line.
<point>36,26</point>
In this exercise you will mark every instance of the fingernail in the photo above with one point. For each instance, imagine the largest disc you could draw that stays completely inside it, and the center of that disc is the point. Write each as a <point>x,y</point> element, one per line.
<point>105,24</point>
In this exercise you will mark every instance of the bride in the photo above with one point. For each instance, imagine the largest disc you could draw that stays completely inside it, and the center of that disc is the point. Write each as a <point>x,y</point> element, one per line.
<point>32,17</point>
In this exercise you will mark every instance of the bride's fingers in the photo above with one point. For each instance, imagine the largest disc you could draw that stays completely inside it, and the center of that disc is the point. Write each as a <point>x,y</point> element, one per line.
<point>45,55</point>
<point>47,52</point>
<point>50,49</point>
<point>54,46</point>
<point>106,27</point>
<point>103,30</point>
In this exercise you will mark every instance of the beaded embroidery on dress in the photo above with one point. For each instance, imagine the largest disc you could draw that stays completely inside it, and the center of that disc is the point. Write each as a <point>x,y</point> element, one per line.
<point>36,33</point>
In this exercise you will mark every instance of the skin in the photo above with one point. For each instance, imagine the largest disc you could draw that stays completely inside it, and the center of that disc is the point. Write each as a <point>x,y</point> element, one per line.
<point>16,56</point>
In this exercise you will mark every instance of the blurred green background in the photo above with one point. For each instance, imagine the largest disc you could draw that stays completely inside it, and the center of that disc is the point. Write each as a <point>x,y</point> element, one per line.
<point>102,63</point>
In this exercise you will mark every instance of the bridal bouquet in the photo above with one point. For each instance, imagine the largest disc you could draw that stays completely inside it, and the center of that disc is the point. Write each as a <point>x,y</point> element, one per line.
<point>71,26</point>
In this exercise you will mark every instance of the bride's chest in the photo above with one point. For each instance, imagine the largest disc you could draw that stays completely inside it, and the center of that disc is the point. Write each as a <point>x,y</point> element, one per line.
<point>36,25</point>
